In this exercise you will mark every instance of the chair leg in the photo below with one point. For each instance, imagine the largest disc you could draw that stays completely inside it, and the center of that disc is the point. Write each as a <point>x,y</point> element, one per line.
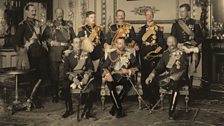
<point>186,103</point>
<point>103,102</point>
<point>162,98</point>
<point>139,102</point>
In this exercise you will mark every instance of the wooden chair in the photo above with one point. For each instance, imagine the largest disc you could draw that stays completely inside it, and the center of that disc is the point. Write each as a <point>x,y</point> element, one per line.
<point>105,91</point>
<point>183,91</point>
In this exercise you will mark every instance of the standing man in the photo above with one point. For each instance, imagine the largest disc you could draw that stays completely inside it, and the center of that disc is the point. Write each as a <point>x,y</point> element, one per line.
<point>122,29</point>
<point>59,35</point>
<point>188,34</point>
<point>119,69</point>
<point>27,40</point>
<point>175,63</point>
<point>92,35</point>
<point>152,45</point>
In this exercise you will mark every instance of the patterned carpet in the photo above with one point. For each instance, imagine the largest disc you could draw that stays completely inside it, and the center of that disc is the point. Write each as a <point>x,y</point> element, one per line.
<point>205,110</point>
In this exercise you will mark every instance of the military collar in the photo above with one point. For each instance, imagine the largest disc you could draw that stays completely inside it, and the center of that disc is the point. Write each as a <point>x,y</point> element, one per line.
<point>57,22</point>
<point>120,25</point>
<point>30,19</point>
<point>90,27</point>
<point>150,24</point>
<point>186,19</point>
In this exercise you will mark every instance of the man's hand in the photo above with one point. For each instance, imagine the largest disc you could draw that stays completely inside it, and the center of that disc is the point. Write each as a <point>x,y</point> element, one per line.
<point>149,78</point>
<point>136,47</point>
<point>53,43</point>
<point>125,71</point>
<point>67,52</point>
<point>108,77</point>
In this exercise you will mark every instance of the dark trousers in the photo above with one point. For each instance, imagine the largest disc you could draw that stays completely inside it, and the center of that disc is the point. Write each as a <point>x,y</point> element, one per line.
<point>40,64</point>
<point>86,99</point>
<point>151,92</point>
<point>68,99</point>
<point>175,87</point>
<point>54,70</point>
<point>118,98</point>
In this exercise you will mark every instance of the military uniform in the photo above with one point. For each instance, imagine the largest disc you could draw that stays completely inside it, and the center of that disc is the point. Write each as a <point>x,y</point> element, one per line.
<point>175,65</point>
<point>182,36</point>
<point>193,40</point>
<point>62,33</point>
<point>78,63</point>
<point>150,40</point>
<point>37,54</point>
<point>98,41</point>
<point>126,30</point>
<point>113,65</point>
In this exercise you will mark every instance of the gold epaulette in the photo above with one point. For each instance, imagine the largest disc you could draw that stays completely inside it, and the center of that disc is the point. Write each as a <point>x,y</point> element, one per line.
<point>128,25</point>
<point>98,28</point>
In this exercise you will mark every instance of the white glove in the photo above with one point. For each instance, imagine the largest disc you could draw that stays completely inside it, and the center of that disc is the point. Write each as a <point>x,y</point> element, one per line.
<point>149,78</point>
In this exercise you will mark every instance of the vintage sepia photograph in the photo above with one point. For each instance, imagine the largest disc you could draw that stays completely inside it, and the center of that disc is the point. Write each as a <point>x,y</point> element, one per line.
<point>111,62</point>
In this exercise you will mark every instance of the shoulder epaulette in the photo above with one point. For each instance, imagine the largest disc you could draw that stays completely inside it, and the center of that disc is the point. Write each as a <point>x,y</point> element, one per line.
<point>98,28</point>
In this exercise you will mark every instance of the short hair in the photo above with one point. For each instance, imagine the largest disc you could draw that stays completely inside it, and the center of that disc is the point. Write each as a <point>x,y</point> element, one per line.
<point>149,9</point>
<point>121,38</point>
<point>119,10</point>
<point>187,6</point>
<point>89,13</point>
<point>28,6</point>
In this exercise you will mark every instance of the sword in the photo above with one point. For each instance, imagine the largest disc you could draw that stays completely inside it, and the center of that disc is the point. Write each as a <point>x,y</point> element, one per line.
<point>148,107</point>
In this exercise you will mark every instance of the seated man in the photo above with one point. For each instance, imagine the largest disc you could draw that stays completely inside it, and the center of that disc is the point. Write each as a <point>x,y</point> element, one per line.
<point>77,73</point>
<point>174,62</point>
<point>118,69</point>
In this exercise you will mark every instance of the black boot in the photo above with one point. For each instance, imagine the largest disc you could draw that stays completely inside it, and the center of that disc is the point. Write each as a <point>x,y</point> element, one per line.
<point>90,115</point>
<point>113,110</point>
<point>55,99</point>
<point>68,111</point>
<point>38,103</point>
<point>120,113</point>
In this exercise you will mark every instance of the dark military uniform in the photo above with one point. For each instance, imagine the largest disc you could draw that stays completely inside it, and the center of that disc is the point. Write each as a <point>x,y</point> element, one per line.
<point>175,63</point>
<point>149,43</point>
<point>98,41</point>
<point>129,35</point>
<point>62,33</point>
<point>84,63</point>
<point>37,54</point>
<point>182,36</point>
<point>113,64</point>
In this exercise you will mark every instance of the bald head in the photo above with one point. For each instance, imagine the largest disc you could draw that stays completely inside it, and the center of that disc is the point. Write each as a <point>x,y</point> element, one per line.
<point>171,42</point>
<point>59,14</point>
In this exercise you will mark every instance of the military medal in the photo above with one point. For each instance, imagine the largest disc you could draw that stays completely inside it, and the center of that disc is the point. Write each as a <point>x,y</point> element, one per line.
<point>178,64</point>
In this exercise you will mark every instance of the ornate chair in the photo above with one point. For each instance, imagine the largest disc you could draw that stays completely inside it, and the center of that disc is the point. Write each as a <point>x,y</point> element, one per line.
<point>183,91</point>
<point>104,91</point>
